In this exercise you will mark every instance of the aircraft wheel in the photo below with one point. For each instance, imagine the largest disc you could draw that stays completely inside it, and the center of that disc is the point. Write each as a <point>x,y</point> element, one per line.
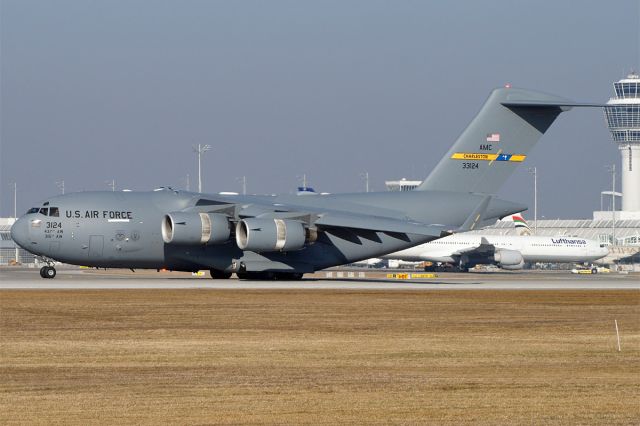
<point>258,276</point>
<point>42,274</point>
<point>245,276</point>
<point>49,272</point>
<point>219,275</point>
<point>288,276</point>
<point>296,276</point>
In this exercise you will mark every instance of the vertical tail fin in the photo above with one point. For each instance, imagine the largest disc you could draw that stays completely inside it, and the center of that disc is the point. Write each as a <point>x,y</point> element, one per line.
<point>522,227</point>
<point>496,141</point>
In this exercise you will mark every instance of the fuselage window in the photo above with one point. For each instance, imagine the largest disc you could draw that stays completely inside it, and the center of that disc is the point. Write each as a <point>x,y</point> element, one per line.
<point>44,211</point>
<point>33,210</point>
<point>54,211</point>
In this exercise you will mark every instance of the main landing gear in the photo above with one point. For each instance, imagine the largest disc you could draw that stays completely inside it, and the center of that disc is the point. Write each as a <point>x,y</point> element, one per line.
<point>48,272</point>
<point>243,274</point>
<point>270,276</point>
<point>219,275</point>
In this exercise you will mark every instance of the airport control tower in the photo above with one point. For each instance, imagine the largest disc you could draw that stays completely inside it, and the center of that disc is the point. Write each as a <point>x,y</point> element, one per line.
<point>623,118</point>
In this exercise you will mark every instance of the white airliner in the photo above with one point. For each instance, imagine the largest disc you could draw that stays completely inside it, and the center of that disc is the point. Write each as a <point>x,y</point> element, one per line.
<point>466,250</point>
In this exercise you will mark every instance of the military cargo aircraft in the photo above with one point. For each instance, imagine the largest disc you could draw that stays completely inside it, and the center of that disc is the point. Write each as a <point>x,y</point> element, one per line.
<point>286,236</point>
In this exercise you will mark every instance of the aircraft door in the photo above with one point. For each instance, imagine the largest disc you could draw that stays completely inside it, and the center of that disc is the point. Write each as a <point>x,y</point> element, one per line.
<point>96,246</point>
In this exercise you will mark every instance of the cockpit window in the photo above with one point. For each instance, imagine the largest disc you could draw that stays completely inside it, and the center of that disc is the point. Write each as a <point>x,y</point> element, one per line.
<point>44,211</point>
<point>54,211</point>
<point>33,210</point>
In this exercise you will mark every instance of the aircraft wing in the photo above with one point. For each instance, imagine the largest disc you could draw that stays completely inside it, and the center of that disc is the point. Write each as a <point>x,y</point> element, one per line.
<point>484,248</point>
<point>373,222</point>
<point>325,218</point>
<point>382,224</point>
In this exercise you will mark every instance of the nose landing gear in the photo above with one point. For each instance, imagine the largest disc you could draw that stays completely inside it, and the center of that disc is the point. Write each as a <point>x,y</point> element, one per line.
<point>48,272</point>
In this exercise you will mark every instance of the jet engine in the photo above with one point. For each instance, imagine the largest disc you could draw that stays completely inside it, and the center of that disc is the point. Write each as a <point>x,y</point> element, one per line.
<point>509,259</point>
<point>195,228</point>
<point>513,267</point>
<point>256,234</point>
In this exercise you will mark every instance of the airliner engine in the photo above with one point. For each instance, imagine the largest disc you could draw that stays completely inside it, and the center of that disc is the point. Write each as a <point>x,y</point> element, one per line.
<point>195,228</point>
<point>509,259</point>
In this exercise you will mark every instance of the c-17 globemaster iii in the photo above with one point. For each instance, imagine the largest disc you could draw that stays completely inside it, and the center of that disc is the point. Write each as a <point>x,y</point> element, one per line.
<point>286,236</point>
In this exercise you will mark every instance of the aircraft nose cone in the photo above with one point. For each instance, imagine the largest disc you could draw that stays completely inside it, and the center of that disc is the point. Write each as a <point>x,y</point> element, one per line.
<point>19,232</point>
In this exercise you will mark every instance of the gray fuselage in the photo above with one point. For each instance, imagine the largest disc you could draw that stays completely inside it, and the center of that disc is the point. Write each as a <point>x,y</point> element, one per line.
<point>123,229</point>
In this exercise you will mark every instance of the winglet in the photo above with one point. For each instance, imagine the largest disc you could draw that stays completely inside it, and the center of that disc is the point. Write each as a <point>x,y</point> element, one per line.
<point>476,216</point>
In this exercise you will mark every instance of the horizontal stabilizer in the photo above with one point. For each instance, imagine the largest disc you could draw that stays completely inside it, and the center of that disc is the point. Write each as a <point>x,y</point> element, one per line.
<point>564,105</point>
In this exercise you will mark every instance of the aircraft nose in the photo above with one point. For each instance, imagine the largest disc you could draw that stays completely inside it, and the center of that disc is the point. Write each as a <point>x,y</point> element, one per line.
<point>20,232</point>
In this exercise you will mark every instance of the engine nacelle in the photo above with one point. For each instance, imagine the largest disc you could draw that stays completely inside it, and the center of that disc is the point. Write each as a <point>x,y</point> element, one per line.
<point>509,259</point>
<point>256,234</point>
<point>513,267</point>
<point>195,228</point>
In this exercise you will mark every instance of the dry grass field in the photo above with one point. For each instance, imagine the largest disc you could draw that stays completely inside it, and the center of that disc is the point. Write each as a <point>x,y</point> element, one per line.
<point>309,357</point>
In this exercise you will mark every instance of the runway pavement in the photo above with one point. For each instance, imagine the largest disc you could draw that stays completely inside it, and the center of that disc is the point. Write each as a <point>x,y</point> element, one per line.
<point>25,278</point>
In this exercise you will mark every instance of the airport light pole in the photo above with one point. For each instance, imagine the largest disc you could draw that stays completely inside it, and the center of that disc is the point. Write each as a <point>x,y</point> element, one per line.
<point>612,170</point>
<point>111,184</point>
<point>365,176</point>
<point>304,181</point>
<point>201,149</point>
<point>15,212</point>
<point>15,200</point>
<point>60,185</point>
<point>243,179</point>
<point>534,172</point>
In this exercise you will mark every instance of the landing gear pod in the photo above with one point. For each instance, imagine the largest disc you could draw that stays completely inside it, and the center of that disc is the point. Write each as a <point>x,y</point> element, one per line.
<point>195,228</point>
<point>260,235</point>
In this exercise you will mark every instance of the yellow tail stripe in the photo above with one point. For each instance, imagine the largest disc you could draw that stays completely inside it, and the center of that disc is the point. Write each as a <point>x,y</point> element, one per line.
<point>477,156</point>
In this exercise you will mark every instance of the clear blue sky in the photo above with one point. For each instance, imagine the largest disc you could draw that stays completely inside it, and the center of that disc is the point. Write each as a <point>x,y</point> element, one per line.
<point>92,91</point>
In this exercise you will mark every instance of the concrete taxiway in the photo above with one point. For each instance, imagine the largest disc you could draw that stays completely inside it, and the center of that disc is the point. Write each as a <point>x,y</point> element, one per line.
<point>117,279</point>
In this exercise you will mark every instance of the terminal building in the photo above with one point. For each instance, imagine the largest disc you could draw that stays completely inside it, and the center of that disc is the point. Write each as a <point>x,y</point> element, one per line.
<point>402,184</point>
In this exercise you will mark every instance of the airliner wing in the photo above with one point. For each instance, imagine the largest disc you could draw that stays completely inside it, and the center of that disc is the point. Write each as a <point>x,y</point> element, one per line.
<point>483,248</point>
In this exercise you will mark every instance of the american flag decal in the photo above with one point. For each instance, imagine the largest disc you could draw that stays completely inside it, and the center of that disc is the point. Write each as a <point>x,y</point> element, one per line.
<point>493,137</point>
